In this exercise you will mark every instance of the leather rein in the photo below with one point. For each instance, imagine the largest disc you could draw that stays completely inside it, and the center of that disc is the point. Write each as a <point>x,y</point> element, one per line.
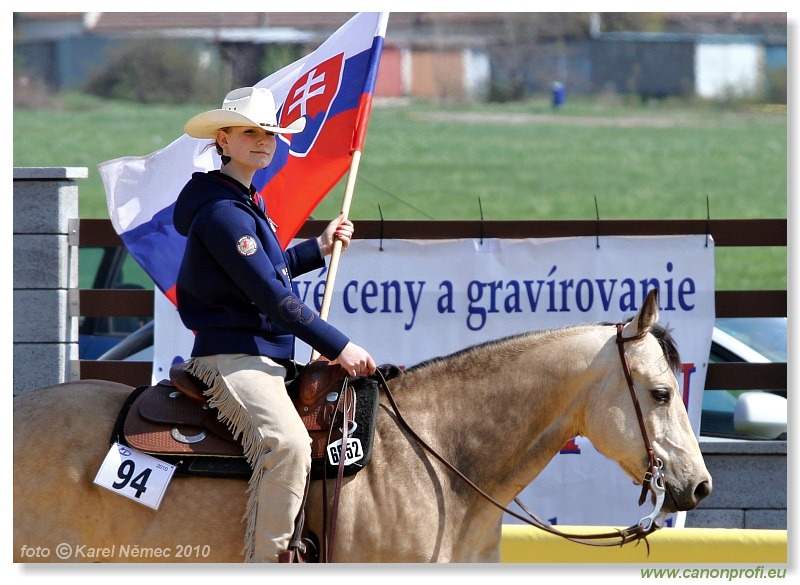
<point>653,479</point>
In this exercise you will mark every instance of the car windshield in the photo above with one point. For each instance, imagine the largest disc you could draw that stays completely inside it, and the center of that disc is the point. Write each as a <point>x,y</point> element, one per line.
<point>765,335</point>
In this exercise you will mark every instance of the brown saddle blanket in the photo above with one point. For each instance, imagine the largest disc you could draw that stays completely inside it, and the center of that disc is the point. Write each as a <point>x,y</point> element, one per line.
<point>172,420</point>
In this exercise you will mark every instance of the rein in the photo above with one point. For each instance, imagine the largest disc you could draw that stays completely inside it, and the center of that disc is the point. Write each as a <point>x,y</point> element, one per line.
<point>653,478</point>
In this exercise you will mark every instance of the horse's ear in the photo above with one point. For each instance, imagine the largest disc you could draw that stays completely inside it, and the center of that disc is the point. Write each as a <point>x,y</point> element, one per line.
<point>647,315</point>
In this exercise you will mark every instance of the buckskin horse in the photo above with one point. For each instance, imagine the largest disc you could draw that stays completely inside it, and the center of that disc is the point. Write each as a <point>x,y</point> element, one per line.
<point>495,413</point>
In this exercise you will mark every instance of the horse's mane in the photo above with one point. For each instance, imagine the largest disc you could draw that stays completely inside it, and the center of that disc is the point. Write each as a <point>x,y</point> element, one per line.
<point>502,341</point>
<point>668,346</point>
<point>662,334</point>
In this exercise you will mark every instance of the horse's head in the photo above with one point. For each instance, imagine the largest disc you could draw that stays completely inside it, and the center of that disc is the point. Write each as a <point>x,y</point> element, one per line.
<point>612,424</point>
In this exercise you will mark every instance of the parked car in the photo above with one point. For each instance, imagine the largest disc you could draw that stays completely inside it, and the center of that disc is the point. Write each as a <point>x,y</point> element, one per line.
<point>108,268</point>
<point>751,414</point>
<point>138,346</point>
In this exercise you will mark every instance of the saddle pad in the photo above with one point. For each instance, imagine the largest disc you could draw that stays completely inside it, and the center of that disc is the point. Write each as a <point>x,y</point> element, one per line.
<point>367,402</point>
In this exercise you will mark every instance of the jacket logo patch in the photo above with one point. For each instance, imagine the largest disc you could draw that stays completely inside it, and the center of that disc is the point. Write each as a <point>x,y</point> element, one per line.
<point>247,245</point>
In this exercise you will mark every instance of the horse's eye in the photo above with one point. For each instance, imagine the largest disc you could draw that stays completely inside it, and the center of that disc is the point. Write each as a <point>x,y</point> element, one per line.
<point>660,395</point>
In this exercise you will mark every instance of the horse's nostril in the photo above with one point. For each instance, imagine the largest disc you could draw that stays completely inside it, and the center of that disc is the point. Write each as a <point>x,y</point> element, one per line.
<point>703,490</point>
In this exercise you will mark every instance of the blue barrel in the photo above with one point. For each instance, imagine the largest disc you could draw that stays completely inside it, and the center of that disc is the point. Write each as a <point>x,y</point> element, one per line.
<point>559,94</point>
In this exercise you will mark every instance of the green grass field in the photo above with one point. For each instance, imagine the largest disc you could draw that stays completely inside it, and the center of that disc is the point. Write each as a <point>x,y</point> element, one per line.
<point>515,161</point>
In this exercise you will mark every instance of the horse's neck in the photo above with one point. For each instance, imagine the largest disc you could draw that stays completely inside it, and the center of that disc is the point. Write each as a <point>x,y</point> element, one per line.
<point>516,402</point>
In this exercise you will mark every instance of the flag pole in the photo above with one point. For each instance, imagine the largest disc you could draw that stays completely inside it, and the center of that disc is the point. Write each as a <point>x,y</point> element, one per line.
<point>357,145</point>
<point>336,253</point>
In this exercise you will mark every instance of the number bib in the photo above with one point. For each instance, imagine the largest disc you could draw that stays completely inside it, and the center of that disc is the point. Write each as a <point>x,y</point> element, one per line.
<point>353,452</point>
<point>137,476</point>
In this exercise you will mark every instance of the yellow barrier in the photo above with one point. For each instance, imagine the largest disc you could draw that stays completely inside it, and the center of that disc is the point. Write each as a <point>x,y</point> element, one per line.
<point>527,544</point>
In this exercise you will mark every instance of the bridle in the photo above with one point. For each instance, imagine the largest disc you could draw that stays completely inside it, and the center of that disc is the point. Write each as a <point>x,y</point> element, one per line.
<point>653,479</point>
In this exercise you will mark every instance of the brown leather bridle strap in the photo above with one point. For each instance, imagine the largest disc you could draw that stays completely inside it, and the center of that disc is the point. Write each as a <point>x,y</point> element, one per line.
<point>651,456</point>
<point>621,536</point>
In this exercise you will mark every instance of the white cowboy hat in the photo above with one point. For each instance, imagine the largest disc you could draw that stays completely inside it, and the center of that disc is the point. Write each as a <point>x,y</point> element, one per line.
<point>246,106</point>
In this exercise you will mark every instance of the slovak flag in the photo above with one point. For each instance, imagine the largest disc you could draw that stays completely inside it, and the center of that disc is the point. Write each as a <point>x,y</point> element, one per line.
<point>332,87</point>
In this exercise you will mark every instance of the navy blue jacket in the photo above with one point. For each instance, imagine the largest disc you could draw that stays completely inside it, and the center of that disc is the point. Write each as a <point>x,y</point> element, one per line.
<point>234,286</point>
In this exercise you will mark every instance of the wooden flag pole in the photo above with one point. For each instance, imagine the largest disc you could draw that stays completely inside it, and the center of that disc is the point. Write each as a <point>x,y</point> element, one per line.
<point>327,298</point>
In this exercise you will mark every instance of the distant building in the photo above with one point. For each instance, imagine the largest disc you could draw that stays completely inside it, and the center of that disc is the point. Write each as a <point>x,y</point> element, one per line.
<point>682,64</point>
<point>453,56</point>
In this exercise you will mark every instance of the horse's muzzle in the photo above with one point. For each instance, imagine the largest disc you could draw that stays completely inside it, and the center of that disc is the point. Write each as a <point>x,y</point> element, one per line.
<point>687,499</point>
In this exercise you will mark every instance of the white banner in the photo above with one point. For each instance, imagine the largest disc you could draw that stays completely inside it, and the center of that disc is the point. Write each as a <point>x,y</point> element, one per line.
<point>407,301</point>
